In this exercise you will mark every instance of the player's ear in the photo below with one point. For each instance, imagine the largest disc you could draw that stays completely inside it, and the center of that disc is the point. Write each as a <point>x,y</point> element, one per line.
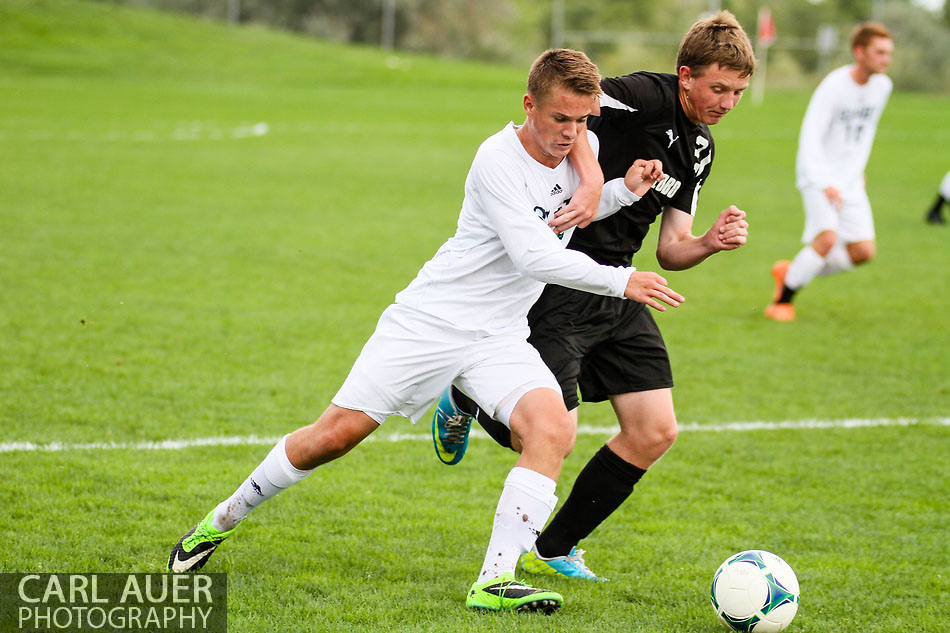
<point>528,104</point>
<point>685,76</point>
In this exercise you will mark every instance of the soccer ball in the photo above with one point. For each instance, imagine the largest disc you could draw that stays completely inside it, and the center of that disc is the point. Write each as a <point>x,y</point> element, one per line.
<point>755,591</point>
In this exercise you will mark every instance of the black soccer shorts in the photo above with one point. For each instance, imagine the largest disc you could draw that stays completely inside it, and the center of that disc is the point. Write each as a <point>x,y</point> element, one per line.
<point>605,345</point>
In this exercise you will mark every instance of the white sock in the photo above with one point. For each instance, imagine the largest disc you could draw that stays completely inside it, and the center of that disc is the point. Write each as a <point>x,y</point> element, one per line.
<point>272,476</point>
<point>526,502</point>
<point>806,265</point>
<point>837,260</point>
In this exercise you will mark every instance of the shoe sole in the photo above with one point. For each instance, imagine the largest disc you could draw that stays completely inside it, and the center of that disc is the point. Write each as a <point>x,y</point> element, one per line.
<point>545,606</point>
<point>778,318</point>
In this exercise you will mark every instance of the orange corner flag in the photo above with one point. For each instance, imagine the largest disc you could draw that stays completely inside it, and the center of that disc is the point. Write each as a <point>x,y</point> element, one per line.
<point>766,30</point>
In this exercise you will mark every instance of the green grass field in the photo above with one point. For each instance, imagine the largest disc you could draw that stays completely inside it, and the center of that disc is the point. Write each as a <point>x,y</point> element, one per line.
<point>199,227</point>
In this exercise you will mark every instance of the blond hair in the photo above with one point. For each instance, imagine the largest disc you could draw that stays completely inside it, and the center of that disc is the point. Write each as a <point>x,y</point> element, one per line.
<point>718,39</point>
<point>562,67</point>
<point>863,33</point>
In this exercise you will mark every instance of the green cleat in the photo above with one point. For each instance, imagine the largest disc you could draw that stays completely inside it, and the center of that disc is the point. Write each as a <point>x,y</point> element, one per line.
<point>507,594</point>
<point>195,548</point>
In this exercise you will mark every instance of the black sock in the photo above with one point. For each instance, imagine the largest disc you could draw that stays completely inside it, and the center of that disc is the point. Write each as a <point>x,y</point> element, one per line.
<point>498,431</point>
<point>787,294</point>
<point>606,481</point>
<point>934,212</point>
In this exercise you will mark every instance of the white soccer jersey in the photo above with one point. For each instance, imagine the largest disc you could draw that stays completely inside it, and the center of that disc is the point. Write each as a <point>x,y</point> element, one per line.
<point>838,130</point>
<point>489,274</point>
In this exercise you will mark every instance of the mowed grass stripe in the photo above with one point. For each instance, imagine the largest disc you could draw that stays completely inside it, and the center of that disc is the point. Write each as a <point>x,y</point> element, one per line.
<point>254,440</point>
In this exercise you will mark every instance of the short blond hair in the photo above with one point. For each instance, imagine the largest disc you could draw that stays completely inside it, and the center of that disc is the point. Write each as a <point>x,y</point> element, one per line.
<point>863,33</point>
<point>563,67</point>
<point>718,39</point>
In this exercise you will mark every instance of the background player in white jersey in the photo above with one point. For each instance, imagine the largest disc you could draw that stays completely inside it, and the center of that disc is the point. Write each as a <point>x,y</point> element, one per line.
<point>935,212</point>
<point>612,349</point>
<point>833,150</point>
<point>463,319</point>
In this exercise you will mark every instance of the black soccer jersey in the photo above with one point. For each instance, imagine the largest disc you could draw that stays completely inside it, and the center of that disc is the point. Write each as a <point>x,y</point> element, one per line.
<point>641,117</point>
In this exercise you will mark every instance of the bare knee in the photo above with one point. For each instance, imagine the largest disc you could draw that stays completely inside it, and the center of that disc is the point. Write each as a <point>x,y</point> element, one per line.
<point>823,242</point>
<point>334,442</point>
<point>664,436</point>
<point>549,430</point>
<point>657,438</point>
<point>558,433</point>
<point>647,426</point>
<point>645,443</point>
<point>862,252</point>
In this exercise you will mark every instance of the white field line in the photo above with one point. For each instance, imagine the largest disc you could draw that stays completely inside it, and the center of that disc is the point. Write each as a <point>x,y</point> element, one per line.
<point>214,131</point>
<point>256,440</point>
<point>188,131</point>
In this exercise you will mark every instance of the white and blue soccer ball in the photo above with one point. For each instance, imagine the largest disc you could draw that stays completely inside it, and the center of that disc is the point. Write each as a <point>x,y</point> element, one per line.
<point>755,591</point>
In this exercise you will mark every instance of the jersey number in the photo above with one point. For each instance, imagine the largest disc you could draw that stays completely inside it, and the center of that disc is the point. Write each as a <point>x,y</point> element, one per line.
<point>702,143</point>
<point>852,133</point>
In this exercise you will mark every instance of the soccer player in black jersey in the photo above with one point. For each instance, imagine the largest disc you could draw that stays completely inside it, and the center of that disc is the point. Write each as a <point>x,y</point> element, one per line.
<point>610,348</point>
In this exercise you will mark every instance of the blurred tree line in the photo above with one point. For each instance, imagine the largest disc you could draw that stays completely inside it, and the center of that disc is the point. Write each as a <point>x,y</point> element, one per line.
<point>620,35</point>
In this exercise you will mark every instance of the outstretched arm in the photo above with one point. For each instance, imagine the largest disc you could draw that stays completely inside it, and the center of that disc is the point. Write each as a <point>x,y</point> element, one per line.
<point>678,249</point>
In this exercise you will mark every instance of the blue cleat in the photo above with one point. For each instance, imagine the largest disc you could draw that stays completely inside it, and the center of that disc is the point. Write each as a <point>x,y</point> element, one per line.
<point>570,566</point>
<point>450,429</point>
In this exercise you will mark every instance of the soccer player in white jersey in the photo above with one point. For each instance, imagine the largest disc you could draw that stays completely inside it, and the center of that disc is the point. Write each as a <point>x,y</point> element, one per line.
<point>463,320</point>
<point>833,150</point>
<point>935,212</point>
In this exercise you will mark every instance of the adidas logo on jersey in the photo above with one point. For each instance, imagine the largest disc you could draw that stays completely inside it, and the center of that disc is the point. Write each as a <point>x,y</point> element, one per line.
<point>557,189</point>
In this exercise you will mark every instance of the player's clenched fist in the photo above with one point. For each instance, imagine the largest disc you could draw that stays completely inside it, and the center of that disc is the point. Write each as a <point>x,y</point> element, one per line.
<point>642,175</point>
<point>650,288</point>
<point>730,231</point>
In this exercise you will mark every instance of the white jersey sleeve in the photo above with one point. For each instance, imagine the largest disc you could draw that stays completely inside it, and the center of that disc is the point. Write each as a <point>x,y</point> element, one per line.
<point>533,247</point>
<point>614,197</point>
<point>812,161</point>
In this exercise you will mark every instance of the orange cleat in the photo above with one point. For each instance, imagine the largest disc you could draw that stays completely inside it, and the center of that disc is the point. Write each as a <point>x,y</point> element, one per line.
<point>780,312</point>
<point>779,269</point>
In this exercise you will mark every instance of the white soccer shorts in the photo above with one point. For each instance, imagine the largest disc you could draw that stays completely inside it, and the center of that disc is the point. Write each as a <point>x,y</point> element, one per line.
<point>852,223</point>
<point>412,357</point>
